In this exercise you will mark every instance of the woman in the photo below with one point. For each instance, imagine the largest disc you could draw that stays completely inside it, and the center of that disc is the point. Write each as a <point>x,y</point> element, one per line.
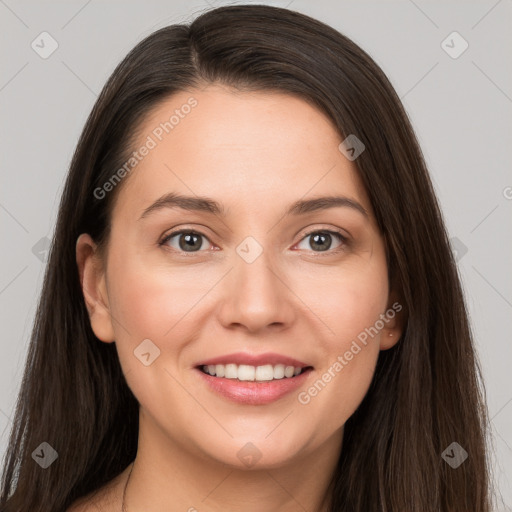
<point>250,301</point>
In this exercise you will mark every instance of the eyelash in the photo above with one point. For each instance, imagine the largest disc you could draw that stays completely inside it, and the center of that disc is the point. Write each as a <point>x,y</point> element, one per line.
<point>343,239</point>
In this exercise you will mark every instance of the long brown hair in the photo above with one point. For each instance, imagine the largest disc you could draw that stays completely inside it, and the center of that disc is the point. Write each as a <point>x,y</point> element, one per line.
<point>427,390</point>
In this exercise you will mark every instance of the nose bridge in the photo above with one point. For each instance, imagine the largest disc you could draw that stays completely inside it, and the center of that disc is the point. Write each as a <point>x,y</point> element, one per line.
<point>257,297</point>
<point>257,277</point>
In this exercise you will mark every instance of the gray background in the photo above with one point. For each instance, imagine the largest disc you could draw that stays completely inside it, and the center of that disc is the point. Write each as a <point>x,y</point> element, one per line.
<point>460,107</point>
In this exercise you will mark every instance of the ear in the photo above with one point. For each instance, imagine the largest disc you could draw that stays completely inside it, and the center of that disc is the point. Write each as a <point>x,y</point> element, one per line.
<point>394,322</point>
<point>92,281</point>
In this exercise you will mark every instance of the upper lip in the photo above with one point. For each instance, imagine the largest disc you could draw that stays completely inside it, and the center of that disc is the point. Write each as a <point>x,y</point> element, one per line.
<point>254,360</point>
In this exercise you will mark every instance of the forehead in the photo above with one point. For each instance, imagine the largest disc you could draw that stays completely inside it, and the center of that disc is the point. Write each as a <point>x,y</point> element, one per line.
<point>256,148</point>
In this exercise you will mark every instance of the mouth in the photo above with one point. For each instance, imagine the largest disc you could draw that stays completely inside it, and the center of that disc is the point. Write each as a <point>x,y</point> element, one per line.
<point>253,379</point>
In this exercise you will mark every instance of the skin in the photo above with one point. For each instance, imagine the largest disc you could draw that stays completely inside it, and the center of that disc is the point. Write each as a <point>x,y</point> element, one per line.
<point>256,153</point>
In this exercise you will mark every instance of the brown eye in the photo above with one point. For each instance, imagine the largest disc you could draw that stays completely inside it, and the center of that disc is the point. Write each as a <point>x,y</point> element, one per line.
<point>188,241</point>
<point>321,241</point>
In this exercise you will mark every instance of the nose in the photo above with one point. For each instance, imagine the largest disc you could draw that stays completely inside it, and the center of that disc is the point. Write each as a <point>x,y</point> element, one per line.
<point>256,297</point>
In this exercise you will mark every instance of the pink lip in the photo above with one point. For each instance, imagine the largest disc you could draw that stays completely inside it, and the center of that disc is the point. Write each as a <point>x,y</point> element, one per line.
<point>254,360</point>
<point>251,392</point>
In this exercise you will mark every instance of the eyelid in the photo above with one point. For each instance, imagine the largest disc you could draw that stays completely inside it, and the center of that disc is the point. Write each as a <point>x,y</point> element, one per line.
<point>336,231</point>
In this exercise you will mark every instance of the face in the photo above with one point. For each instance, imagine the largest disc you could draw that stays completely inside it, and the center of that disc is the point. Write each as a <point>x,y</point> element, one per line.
<point>253,275</point>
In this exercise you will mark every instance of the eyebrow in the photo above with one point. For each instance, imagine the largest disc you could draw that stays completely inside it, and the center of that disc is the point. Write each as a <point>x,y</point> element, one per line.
<point>208,205</point>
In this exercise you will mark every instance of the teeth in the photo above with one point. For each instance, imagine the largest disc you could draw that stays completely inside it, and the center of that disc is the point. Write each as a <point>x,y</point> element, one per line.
<point>278,371</point>
<point>231,371</point>
<point>264,372</point>
<point>246,372</point>
<point>252,373</point>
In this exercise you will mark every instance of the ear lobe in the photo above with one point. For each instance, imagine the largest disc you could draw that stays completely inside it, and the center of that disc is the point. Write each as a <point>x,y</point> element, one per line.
<point>92,281</point>
<point>394,323</point>
<point>389,338</point>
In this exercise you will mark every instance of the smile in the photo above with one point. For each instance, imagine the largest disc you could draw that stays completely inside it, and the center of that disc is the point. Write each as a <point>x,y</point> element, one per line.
<point>253,384</point>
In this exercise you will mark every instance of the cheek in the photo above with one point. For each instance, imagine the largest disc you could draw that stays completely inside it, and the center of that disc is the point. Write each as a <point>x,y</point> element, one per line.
<point>152,302</point>
<point>347,299</point>
<point>350,306</point>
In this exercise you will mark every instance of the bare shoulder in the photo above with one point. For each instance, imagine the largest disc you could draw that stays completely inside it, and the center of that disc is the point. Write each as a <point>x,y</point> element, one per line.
<point>106,499</point>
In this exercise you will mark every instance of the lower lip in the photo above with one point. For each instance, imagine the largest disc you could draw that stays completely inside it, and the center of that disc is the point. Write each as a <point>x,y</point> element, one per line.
<point>251,392</point>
